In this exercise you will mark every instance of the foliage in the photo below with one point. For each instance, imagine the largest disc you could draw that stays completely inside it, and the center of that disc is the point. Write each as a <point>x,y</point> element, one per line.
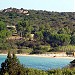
<point>51,28</point>
<point>58,39</point>
<point>25,50</point>
<point>73,39</point>
<point>68,48</point>
<point>11,66</point>
<point>65,71</point>
<point>2,26</point>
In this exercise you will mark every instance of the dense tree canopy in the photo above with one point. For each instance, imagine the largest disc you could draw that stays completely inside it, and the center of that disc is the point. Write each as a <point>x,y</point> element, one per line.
<point>49,28</point>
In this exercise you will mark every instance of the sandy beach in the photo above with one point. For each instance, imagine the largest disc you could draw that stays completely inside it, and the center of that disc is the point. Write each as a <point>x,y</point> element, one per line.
<point>45,56</point>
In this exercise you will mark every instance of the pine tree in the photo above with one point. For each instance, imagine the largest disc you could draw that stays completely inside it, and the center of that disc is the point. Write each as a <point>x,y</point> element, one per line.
<point>12,66</point>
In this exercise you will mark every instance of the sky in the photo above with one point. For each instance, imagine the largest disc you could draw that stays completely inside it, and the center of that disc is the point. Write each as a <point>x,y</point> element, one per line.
<point>48,5</point>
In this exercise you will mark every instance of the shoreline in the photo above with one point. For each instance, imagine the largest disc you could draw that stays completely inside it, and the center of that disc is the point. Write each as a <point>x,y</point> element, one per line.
<point>44,56</point>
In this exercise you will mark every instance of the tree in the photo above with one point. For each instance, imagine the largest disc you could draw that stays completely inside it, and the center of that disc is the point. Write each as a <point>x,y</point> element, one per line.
<point>12,66</point>
<point>58,39</point>
<point>23,28</point>
<point>72,63</point>
<point>2,25</point>
<point>39,35</point>
<point>73,39</point>
<point>65,30</point>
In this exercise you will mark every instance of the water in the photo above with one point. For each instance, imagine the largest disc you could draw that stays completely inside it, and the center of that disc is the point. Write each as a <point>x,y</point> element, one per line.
<point>40,62</point>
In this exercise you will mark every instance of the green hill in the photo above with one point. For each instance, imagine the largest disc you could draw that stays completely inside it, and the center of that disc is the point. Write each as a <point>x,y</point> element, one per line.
<point>51,29</point>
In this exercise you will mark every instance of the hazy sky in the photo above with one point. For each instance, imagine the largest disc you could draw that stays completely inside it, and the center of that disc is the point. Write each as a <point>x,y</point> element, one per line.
<point>49,5</point>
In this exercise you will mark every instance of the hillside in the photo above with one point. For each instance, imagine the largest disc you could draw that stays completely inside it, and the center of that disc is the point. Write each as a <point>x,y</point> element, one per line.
<point>38,17</point>
<point>52,30</point>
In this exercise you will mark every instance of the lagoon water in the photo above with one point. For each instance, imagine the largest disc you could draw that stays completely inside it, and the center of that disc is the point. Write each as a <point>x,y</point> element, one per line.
<point>40,62</point>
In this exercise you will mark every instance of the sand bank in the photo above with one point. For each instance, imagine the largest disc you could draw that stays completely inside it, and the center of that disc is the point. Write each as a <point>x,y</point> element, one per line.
<point>46,55</point>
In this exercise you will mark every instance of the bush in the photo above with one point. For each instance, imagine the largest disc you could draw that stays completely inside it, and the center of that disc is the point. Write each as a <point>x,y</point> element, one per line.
<point>25,50</point>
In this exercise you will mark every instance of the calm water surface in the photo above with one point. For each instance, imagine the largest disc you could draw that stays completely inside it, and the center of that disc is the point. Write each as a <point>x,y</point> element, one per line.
<point>40,62</point>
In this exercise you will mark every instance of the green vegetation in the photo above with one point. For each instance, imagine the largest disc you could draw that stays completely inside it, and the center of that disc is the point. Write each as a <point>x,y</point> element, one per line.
<point>65,71</point>
<point>4,33</point>
<point>11,66</point>
<point>53,32</point>
<point>68,48</point>
<point>53,29</point>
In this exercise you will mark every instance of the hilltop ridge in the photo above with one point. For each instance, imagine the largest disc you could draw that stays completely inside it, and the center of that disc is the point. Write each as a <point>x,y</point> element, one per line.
<point>38,17</point>
<point>20,11</point>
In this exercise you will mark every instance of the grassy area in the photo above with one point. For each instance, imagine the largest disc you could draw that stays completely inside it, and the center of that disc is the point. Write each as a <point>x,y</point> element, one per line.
<point>68,48</point>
